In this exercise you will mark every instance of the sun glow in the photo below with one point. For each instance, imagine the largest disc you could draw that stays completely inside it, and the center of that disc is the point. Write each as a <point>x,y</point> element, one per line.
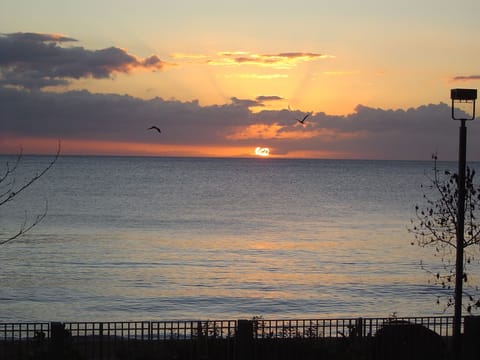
<point>262,151</point>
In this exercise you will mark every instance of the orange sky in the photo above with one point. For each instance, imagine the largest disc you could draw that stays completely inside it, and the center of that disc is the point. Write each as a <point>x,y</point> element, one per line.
<point>46,146</point>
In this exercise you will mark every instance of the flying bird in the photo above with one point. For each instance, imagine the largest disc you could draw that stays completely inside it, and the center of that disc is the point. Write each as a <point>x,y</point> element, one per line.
<point>303,120</point>
<point>155,128</point>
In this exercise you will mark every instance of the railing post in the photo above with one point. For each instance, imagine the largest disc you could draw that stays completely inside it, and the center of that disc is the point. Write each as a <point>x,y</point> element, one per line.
<point>471,335</point>
<point>359,327</point>
<point>100,333</point>
<point>57,340</point>
<point>202,340</point>
<point>244,340</point>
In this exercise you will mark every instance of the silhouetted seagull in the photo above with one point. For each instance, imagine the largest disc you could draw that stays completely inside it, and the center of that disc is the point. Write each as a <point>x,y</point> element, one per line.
<point>303,120</point>
<point>156,128</point>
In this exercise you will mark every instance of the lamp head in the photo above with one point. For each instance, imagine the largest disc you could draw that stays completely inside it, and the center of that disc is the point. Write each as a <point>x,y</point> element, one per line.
<point>463,96</point>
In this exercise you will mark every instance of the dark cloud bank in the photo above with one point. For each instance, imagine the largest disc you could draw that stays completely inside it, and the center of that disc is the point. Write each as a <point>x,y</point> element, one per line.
<point>29,62</point>
<point>366,133</point>
<point>35,61</point>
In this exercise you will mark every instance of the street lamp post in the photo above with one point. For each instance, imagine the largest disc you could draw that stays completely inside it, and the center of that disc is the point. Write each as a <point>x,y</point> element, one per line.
<point>468,96</point>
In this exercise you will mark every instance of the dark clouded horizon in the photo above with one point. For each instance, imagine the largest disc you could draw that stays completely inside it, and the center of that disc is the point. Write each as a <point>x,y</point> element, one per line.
<point>34,109</point>
<point>367,133</point>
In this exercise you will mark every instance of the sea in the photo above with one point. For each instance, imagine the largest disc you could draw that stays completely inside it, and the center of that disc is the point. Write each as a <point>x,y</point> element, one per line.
<point>152,238</point>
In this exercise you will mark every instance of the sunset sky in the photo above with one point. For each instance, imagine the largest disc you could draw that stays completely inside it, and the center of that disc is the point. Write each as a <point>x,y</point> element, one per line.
<point>221,78</point>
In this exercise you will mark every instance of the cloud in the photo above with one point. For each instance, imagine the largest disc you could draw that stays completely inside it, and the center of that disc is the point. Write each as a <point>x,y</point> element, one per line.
<point>258,102</point>
<point>247,103</point>
<point>368,133</point>
<point>285,60</point>
<point>276,131</point>
<point>279,61</point>
<point>263,98</point>
<point>257,76</point>
<point>35,37</point>
<point>34,61</point>
<point>255,131</point>
<point>466,78</point>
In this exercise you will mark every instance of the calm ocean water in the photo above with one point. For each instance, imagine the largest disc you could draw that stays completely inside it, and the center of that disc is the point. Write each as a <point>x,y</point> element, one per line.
<point>185,238</point>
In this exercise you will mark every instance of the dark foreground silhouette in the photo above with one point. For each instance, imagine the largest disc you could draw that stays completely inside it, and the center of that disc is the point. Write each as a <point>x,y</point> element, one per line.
<point>255,339</point>
<point>403,340</point>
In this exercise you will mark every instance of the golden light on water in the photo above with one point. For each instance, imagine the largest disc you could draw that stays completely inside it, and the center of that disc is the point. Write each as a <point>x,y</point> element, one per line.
<point>262,151</point>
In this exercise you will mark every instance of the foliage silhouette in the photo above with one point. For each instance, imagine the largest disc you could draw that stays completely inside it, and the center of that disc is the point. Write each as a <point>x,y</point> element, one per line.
<point>435,225</point>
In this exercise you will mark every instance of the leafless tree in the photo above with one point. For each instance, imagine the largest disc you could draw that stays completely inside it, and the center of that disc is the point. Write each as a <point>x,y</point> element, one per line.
<point>435,225</point>
<point>10,189</point>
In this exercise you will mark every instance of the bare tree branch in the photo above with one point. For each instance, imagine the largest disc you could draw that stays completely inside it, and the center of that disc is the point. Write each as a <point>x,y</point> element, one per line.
<point>25,227</point>
<point>11,191</point>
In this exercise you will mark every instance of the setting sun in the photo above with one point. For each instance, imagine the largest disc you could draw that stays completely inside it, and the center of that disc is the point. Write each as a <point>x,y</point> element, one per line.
<point>262,151</point>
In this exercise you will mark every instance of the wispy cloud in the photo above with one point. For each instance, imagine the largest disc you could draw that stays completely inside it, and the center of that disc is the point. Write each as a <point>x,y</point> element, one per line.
<point>257,102</point>
<point>279,61</point>
<point>36,37</point>
<point>263,98</point>
<point>466,78</point>
<point>34,61</point>
<point>257,76</point>
<point>247,103</point>
<point>286,60</point>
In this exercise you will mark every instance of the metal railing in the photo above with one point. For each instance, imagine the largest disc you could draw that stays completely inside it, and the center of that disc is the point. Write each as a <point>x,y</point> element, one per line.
<point>23,331</point>
<point>256,338</point>
<point>221,329</point>
<point>333,328</point>
<point>154,330</point>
